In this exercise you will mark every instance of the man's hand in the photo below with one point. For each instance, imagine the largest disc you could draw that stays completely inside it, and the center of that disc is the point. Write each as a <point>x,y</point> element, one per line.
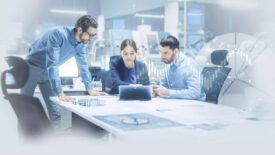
<point>97,93</point>
<point>160,90</point>
<point>65,98</point>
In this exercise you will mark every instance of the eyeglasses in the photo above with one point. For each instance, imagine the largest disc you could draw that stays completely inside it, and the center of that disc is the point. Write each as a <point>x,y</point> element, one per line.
<point>90,34</point>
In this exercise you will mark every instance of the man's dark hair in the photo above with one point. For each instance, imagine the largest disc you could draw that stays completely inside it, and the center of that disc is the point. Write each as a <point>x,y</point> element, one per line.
<point>128,42</point>
<point>170,41</point>
<point>85,22</point>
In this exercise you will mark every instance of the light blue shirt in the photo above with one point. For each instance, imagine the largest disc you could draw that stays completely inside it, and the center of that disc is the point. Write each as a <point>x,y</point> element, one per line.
<point>53,49</point>
<point>183,79</point>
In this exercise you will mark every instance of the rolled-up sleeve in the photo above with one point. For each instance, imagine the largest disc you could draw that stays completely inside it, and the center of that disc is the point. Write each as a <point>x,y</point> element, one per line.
<point>83,67</point>
<point>52,58</point>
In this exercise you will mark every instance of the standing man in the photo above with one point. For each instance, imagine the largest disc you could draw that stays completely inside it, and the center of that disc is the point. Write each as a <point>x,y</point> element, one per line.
<point>52,50</point>
<point>182,76</point>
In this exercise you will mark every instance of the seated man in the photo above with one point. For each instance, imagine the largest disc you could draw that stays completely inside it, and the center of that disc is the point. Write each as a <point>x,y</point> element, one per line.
<point>125,69</point>
<point>182,77</point>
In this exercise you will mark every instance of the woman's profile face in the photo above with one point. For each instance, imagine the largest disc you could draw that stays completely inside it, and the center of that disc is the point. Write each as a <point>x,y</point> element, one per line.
<point>128,55</point>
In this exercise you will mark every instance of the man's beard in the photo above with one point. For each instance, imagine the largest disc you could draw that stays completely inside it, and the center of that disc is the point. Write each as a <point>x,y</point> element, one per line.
<point>171,60</point>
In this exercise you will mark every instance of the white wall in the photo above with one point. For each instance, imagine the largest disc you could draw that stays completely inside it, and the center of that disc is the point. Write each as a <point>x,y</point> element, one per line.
<point>116,8</point>
<point>171,18</point>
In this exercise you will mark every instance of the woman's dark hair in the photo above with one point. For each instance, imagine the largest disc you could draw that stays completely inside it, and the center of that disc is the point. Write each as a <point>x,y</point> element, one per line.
<point>128,42</point>
<point>170,41</point>
<point>85,22</point>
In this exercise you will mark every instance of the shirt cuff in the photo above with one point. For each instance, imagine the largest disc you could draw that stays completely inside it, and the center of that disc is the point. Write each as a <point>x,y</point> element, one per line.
<point>88,85</point>
<point>173,93</point>
<point>58,89</point>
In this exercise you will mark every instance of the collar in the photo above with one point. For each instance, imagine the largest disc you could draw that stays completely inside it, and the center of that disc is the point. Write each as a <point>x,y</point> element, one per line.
<point>179,61</point>
<point>72,38</point>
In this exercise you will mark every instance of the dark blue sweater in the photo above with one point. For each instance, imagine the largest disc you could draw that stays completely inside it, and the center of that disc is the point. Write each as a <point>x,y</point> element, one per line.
<point>117,73</point>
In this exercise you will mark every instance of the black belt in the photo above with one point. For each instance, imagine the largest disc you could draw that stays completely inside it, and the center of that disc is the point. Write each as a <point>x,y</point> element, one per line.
<point>31,63</point>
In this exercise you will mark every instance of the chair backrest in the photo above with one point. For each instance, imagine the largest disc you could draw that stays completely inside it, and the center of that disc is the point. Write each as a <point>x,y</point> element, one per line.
<point>214,77</point>
<point>218,57</point>
<point>16,76</point>
<point>114,57</point>
<point>106,80</point>
<point>32,119</point>
<point>95,73</point>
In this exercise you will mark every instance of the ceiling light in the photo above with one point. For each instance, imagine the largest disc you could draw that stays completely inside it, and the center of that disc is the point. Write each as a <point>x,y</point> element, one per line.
<point>148,16</point>
<point>80,12</point>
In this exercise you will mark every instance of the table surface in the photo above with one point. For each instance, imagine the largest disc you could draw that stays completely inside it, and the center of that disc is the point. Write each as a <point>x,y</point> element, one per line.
<point>199,121</point>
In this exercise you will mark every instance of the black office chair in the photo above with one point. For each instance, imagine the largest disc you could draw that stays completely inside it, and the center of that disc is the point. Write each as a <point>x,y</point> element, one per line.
<point>106,80</point>
<point>214,77</point>
<point>95,73</point>
<point>32,119</point>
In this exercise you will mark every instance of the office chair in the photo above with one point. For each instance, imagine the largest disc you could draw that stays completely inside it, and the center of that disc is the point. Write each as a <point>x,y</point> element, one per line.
<point>32,119</point>
<point>106,80</point>
<point>95,73</point>
<point>214,77</point>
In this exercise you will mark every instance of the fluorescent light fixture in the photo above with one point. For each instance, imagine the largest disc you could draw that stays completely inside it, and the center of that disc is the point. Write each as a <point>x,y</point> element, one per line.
<point>149,16</point>
<point>80,12</point>
<point>237,4</point>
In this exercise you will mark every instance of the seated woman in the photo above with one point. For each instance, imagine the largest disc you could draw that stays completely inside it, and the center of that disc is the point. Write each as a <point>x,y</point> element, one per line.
<point>125,69</point>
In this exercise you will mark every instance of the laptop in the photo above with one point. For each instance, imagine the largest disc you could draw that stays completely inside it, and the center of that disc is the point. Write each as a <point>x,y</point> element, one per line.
<point>135,92</point>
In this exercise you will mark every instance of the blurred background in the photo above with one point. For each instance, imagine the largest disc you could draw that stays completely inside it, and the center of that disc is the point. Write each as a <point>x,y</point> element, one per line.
<point>245,28</point>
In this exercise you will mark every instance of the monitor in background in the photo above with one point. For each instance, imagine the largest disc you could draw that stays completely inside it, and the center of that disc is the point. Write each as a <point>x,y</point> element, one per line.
<point>135,92</point>
<point>69,68</point>
<point>118,24</point>
<point>194,39</point>
<point>152,43</point>
<point>195,16</point>
<point>68,71</point>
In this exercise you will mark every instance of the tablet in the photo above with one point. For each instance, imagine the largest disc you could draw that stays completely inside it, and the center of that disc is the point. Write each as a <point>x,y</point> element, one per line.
<point>135,92</point>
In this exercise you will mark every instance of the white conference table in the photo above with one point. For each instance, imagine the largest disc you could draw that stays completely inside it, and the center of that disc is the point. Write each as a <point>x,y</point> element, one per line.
<point>201,122</point>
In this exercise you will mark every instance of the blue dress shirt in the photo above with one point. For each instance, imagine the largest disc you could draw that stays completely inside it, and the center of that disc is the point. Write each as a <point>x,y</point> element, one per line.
<point>183,79</point>
<point>53,49</point>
